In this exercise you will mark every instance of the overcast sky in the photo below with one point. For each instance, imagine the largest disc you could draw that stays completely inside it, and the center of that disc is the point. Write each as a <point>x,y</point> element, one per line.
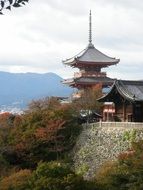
<point>38,36</point>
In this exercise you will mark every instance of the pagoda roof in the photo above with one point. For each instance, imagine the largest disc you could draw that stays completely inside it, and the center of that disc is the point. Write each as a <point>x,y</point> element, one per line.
<point>91,55</point>
<point>129,90</point>
<point>93,79</point>
<point>88,80</point>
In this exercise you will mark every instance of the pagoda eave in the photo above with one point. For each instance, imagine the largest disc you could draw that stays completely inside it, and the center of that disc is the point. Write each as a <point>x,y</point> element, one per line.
<point>68,82</point>
<point>81,85</point>
<point>97,62</point>
<point>80,64</point>
<point>77,62</point>
<point>69,62</point>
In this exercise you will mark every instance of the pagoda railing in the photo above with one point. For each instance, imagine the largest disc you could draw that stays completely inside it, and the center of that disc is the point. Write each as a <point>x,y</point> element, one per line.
<point>89,74</point>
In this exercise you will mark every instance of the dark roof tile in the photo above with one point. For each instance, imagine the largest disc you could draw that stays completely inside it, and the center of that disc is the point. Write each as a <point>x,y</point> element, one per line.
<point>91,55</point>
<point>130,90</point>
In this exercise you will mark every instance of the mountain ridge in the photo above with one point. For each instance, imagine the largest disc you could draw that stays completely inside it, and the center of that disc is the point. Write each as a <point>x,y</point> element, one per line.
<point>24,87</point>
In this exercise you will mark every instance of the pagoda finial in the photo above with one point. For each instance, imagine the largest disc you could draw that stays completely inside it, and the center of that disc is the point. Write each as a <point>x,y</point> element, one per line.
<point>90,29</point>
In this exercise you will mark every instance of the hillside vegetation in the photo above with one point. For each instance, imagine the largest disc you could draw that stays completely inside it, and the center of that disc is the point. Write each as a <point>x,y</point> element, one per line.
<point>35,146</point>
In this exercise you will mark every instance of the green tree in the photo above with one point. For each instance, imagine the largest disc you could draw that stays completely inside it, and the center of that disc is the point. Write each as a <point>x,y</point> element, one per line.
<point>58,176</point>
<point>8,4</point>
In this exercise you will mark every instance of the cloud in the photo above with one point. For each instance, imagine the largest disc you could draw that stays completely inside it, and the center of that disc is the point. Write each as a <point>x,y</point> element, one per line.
<point>38,36</point>
<point>124,4</point>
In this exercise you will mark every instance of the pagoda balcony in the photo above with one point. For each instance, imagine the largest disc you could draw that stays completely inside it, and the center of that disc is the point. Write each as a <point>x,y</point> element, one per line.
<point>89,74</point>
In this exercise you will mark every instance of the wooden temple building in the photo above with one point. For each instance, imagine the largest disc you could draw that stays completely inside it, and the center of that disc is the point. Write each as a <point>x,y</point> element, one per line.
<point>90,63</point>
<point>125,102</point>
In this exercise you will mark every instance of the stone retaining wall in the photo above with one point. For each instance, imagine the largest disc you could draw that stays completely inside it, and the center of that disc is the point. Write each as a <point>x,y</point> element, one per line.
<point>100,143</point>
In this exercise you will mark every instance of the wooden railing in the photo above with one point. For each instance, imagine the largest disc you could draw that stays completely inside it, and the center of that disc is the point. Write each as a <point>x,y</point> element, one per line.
<point>89,74</point>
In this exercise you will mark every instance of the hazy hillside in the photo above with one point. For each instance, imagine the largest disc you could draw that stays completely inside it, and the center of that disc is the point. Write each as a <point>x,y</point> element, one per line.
<point>23,87</point>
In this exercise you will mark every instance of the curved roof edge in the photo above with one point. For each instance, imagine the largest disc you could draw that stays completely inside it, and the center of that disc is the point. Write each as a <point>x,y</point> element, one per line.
<point>91,55</point>
<point>105,97</point>
<point>130,90</point>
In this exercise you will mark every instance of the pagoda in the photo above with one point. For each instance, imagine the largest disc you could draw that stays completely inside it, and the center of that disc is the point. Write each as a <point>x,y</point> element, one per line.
<point>90,62</point>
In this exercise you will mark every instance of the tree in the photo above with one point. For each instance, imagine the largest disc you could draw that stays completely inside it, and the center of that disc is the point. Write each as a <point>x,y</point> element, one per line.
<point>58,176</point>
<point>16,181</point>
<point>8,4</point>
<point>88,99</point>
<point>88,103</point>
<point>46,131</point>
<point>6,119</point>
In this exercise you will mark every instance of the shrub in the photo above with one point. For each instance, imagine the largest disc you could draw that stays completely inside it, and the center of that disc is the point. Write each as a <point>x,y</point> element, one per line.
<point>16,181</point>
<point>57,176</point>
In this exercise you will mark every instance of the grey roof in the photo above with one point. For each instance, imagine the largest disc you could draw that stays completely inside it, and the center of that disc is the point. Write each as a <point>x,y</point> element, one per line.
<point>93,79</point>
<point>88,80</point>
<point>130,90</point>
<point>91,55</point>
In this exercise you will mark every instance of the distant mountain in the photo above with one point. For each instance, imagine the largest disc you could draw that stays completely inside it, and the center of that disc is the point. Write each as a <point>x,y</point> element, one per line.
<point>21,88</point>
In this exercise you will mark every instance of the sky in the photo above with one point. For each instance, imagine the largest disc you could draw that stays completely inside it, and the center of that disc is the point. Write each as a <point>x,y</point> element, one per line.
<point>38,36</point>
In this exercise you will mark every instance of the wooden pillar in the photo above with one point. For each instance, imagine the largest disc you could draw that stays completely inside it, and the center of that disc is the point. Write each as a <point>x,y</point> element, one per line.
<point>133,111</point>
<point>124,110</point>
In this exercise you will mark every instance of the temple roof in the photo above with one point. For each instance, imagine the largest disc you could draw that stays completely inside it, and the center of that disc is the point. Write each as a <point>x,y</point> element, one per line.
<point>129,90</point>
<point>88,80</point>
<point>91,55</point>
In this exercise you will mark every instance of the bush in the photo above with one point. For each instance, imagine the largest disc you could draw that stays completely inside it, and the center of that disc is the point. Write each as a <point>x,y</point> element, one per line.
<point>57,176</point>
<point>16,181</point>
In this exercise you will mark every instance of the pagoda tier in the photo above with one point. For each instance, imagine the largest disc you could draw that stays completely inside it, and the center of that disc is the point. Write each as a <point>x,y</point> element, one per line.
<point>89,74</point>
<point>90,62</point>
<point>86,82</point>
<point>91,57</point>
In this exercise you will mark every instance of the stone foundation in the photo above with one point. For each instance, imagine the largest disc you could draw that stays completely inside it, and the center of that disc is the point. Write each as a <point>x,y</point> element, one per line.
<point>100,143</point>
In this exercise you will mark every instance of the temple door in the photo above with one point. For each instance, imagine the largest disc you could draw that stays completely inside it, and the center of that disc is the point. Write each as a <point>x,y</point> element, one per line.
<point>138,113</point>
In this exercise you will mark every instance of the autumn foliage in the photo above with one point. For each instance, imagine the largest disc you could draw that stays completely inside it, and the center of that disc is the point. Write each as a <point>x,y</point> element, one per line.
<point>46,131</point>
<point>16,181</point>
<point>34,149</point>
